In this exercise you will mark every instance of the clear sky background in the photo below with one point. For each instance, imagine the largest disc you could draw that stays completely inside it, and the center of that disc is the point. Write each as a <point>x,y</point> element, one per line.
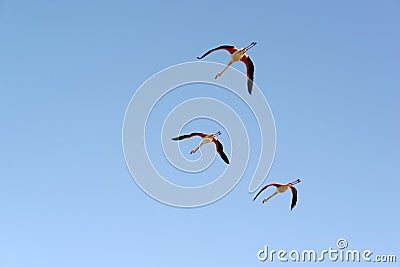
<point>68,69</point>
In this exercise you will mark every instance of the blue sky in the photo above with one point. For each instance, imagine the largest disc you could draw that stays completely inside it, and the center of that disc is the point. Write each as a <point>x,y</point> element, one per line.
<point>329,71</point>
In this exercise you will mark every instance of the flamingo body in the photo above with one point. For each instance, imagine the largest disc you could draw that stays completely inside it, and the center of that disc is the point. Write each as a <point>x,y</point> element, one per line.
<point>206,138</point>
<point>237,54</point>
<point>281,188</point>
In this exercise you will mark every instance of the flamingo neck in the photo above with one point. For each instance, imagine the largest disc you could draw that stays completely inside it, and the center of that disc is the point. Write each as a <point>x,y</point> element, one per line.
<point>295,182</point>
<point>250,46</point>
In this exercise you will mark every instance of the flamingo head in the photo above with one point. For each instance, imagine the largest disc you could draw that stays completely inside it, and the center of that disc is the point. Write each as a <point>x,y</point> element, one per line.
<point>249,46</point>
<point>295,182</point>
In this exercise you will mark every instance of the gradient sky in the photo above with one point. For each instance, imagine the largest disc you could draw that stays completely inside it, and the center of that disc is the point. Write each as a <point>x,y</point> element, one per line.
<point>68,69</point>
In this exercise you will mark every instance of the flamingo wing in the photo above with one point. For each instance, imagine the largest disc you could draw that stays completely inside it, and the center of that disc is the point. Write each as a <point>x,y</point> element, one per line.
<point>231,49</point>
<point>265,187</point>
<point>188,136</point>
<point>294,197</point>
<point>220,150</point>
<point>250,72</point>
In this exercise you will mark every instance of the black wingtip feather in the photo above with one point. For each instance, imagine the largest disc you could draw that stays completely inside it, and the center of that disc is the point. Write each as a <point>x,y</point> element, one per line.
<point>250,86</point>
<point>294,198</point>
<point>259,192</point>
<point>220,150</point>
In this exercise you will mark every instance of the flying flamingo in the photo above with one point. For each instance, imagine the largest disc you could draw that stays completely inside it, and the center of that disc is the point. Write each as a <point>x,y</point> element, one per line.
<point>236,55</point>
<point>281,188</point>
<point>206,138</point>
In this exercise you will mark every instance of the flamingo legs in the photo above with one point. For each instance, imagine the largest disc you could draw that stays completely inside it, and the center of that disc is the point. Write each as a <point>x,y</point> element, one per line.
<point>271,196</point>
<point>226,67</point>
<point>197,148</point>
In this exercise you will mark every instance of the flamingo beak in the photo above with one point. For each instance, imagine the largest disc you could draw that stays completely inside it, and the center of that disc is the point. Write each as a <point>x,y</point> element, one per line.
<point>295,182</point>
<point>250,46</point>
